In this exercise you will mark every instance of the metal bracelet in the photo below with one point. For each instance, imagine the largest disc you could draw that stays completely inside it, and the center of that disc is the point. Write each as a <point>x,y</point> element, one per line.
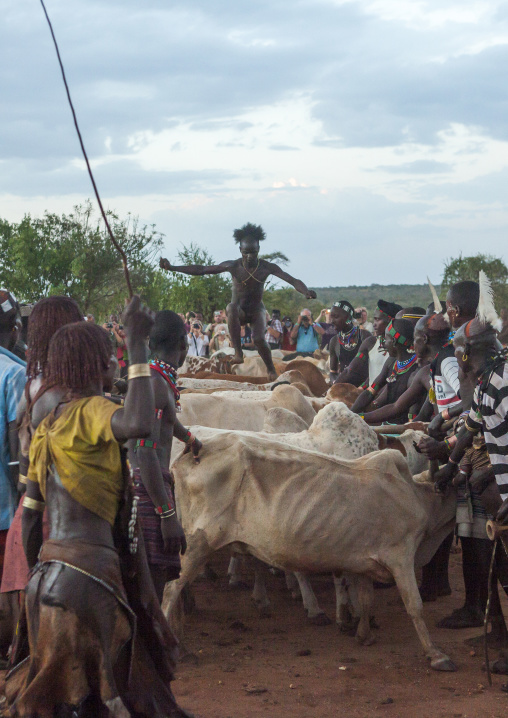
<point>137,371</point>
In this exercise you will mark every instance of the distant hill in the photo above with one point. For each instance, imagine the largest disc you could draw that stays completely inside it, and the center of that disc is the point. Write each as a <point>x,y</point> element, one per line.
<point>290,302</point>
<point>407,295</point>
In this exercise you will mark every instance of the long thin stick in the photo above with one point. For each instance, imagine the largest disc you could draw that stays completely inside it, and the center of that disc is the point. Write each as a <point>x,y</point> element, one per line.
<point>487,613</point>
<point>99,202</point>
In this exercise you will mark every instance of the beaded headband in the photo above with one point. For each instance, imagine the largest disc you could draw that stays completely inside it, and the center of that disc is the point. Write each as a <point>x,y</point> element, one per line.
<point>398,337</point>
<point>346,306</point>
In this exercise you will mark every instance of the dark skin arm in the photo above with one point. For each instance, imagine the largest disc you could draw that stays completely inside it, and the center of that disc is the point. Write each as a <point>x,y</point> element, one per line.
<point>426,412</point>
<point>136,418</point>
<point>32,525</point>
<point>403,403</point>
<point>358,370</point>
<point>276,271</point>
<point>197,270</point>
<point>180,432</point>
<point>151,473</point>
<point>448,471</point>
<point>435,426</point>
<point>367,397</point>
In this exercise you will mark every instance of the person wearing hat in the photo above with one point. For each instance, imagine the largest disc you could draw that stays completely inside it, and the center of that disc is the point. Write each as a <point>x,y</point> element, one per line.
<point>372,355</point>
<point>345,345</point>
<point>12,384</point>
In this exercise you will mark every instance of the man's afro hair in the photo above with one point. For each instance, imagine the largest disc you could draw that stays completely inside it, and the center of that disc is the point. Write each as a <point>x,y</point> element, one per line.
<point>251,231</point>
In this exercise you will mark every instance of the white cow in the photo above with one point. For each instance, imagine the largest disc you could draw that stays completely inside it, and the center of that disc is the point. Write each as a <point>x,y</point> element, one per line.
<point>306,512</point>
<point>228,410</point>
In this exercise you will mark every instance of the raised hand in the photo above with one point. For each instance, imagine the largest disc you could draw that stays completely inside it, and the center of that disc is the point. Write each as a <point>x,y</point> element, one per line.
<point>137,319</point>
<point>165,264</point>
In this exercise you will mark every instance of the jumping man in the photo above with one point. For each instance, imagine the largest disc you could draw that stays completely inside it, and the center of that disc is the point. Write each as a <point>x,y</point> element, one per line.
<point>249,276</point>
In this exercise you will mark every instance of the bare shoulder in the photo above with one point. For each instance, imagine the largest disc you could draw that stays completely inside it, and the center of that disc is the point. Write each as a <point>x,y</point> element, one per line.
<point>160,389</point>
<point>230,264</point>
<point>423,375</point>
<point>45,405</point>
<point>368,343</point>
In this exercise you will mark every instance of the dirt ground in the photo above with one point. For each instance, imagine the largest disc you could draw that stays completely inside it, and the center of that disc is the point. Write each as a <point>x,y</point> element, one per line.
<point>247,666</point>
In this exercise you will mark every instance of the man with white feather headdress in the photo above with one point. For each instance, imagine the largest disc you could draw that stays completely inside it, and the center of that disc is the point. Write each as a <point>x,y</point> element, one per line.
<point>481,355</point>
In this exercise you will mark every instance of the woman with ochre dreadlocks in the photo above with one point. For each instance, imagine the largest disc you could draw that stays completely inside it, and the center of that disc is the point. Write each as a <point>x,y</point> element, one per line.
<point>90,585</point>
<point>48,315</point>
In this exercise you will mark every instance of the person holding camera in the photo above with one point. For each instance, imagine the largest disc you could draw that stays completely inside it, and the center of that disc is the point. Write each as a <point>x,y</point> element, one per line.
<point>198,342</point>
<point>306,333</point>
<point>274,331</point>
<point>361,317</point>
<point>221,338</point>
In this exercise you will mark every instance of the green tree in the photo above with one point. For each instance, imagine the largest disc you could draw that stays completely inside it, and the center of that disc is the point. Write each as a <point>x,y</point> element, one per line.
<point>462,268</point>
<point>198,294</point>
<point>73,255</point>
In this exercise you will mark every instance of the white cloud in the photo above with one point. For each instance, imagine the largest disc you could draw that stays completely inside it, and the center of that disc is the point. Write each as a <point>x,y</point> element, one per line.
<point>361,122</point>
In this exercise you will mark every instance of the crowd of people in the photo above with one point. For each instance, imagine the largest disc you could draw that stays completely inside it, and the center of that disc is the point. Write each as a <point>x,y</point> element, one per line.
<point>302,336</point>
<point>89,533</point>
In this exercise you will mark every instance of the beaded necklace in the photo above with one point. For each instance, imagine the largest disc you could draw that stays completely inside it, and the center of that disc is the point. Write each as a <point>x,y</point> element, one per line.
<point>401,367</point>
<point>168,372</point>
<point>346,340</point>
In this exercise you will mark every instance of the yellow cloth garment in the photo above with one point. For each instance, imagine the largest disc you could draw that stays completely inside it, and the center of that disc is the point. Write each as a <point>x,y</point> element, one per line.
<point>81,445</point>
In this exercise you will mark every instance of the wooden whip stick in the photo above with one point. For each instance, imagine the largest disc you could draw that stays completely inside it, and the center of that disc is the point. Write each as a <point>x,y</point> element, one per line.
<point>99,202</point>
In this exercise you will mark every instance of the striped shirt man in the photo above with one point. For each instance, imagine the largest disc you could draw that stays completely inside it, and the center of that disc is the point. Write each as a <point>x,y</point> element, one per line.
<point>492,417</point>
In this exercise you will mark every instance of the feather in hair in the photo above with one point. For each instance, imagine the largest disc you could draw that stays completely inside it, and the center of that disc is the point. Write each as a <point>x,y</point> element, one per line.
<point>486,312</point>
<point>437,302</point>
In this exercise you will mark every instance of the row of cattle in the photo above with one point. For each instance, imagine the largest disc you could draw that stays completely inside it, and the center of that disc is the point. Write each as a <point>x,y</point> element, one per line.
<point>299,482</point>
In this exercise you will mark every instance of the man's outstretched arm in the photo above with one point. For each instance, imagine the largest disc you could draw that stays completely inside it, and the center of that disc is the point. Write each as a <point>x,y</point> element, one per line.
<point>196,270</point>
<point>296,283</point>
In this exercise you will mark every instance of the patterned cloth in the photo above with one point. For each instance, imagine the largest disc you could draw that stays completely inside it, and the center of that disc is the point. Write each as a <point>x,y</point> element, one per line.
<point>492,415</point>
<point>81,445</point>
<point>445,378</point>
<point>151,527</point>
<point>12,383</point>
<point>269,338</point>
<point>471,516</point>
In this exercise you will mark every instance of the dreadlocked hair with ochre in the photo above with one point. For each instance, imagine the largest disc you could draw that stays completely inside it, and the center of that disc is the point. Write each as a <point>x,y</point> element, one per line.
<point>249,231</point>
<point>79,355</point>
<point>48,315</point>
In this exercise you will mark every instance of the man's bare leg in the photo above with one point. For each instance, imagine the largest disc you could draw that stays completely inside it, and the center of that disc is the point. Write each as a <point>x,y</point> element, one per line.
<point>235,332</point>
<point>258,326</point>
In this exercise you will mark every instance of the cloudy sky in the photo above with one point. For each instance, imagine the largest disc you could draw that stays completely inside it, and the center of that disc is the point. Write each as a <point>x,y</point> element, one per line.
<point>368,137</point>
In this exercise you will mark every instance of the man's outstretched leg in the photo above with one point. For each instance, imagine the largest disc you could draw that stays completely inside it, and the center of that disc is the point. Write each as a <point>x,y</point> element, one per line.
<point>235,332</point>
<point>258,334</point>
